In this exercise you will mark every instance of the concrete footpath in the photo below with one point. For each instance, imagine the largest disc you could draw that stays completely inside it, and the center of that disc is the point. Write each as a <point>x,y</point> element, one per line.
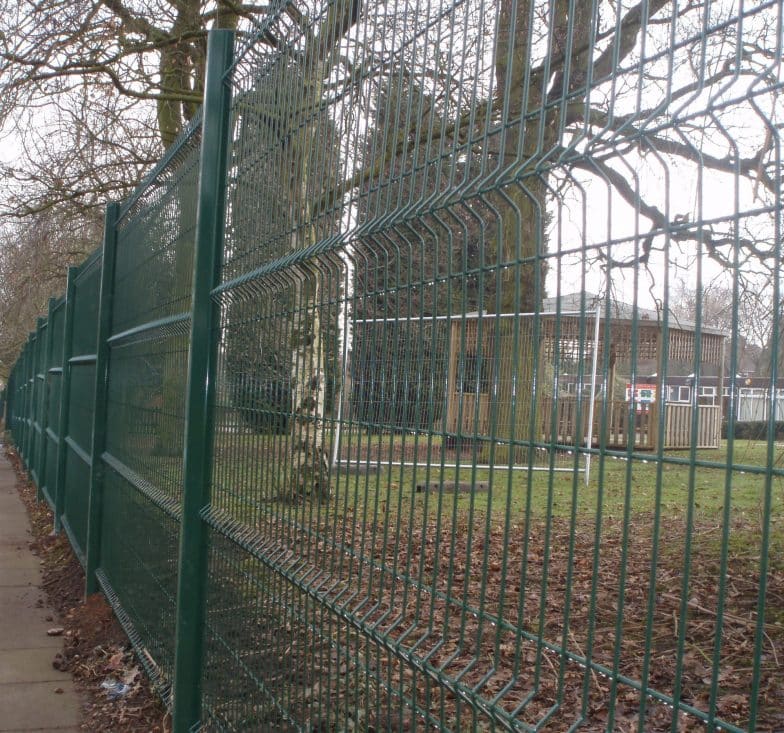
<point>33,695</point>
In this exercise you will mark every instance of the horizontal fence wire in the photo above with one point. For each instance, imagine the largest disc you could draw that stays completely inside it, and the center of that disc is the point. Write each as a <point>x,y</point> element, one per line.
<point>493,419</point>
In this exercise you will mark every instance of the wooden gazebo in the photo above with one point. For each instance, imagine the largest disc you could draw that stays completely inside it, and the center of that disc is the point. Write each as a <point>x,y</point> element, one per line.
<point>576,386</point>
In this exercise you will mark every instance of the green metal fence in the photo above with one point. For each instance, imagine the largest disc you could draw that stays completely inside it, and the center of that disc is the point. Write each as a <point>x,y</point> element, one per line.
<point>318,415</point>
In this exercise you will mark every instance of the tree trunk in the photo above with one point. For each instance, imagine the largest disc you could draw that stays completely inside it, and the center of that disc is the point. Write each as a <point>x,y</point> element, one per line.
<point>521,208</point>
<point>310,457</point>
<point>310,460</point>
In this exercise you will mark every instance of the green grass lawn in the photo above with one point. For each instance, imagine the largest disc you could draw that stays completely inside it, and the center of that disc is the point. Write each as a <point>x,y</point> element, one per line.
<point>250,476</point>
<point>644,482</point>
<point>734,499</point>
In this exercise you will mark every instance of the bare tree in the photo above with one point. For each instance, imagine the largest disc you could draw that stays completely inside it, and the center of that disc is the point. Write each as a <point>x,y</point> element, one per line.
<point>113,82</point>
<point>31,269</point>
<point>540,101</point>
<point>91,94</point>
<point>746,318</point>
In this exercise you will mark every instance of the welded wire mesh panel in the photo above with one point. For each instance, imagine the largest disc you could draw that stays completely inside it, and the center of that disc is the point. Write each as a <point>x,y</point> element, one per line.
<point>81,400</point>
<point>21,408</point>
<point>28,400</point>
<point>24,414</point>
<point>139,566</point>
<point>22,394</point>
<point>145,400</point>
<point>53,379</point>
<point>443,168</point>
<point>16,402</point>
<point>42,394</point>
<point>9,416</point>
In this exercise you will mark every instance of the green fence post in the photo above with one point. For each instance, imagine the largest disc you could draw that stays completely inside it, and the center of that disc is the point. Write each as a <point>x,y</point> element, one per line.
<point>192,571</point>
<point>40,390</point>
<point>65,400</point>
<point>29,392</point>
<point>95,503</point>
<point>32,367</point>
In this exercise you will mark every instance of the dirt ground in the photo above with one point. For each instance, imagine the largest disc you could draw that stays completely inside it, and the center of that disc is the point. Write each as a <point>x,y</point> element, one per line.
<point>95,648</point>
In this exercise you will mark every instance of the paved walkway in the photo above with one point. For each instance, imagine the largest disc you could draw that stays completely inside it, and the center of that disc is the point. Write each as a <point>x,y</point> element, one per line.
<point>33,695</point>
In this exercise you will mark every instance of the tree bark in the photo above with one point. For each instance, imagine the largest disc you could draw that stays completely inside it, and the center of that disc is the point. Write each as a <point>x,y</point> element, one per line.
<point>310,456</point>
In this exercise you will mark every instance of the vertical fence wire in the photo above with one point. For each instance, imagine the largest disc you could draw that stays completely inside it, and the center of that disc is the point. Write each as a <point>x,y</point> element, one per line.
<point>427,205</point>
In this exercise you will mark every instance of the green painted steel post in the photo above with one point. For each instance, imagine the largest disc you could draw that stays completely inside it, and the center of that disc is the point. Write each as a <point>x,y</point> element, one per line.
<point>39,378</point>
<point>30,382</point>
<point>30,458</point>
<point>65,399</point>
<point>192,572</point>
<point>97,473</point>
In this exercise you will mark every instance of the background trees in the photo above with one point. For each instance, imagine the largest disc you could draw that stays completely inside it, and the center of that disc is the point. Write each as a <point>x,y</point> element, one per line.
<point>92,94</point>
<point>502,152</point>
<point>32,269</point>
<point>717,305</point>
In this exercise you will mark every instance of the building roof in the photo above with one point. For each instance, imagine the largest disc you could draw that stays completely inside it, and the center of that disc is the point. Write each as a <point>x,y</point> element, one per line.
<point>621,311</point>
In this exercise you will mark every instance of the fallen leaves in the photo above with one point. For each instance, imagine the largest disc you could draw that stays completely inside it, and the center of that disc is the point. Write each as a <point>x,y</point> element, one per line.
<point>94,644</point>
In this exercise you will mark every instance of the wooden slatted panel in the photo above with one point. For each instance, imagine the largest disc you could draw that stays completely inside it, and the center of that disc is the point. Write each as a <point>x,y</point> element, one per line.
<point>709,432</point>
<point>677,429</point>
<point>567,431</point>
